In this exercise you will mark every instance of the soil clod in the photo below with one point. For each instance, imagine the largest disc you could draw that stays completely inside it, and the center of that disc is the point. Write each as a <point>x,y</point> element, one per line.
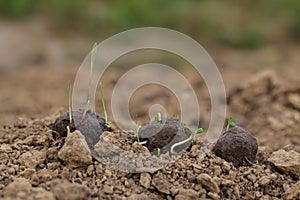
<point>237,146</point>
<point>92,128</point>
<point>163,134</point>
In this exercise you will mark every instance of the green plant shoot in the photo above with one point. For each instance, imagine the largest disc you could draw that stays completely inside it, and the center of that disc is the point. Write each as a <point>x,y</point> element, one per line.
<point>158,151</point>
<point>68,130</point>
<point>198,131</point>
<point>93,57</point>
<point>69,102</point>
<point>103,105</point>
<point>158,117</point>
<point>136,135</point>
<point>230,123</point>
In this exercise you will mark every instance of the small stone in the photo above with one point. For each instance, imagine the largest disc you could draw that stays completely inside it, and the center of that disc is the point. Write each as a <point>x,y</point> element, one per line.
<point>27,173</point>
<point>41,194</point>
<point>161,185</point>
<point>19,188</point>
<point>138,148</point>
<point>108,189</point>
<point>293,192</point>
<point>264,181</point>
<point>286,161</point>
<point>32,158</point>
<point>226,167</point>
<point>75,152</point>
<point>187,194</point>
<point>64,190</point>
<point>208,183</point>
<point>5,148</point>
<point>213,196</point>
<point>145,180</point>
<point>294,100</point>
<point>90,170</point>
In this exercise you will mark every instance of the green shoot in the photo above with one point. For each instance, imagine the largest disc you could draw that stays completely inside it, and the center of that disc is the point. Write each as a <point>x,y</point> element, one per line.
<point>158,151</point>
<point>144,142</point>
<point>198,131</point>
<point>230,123</point>
<point>68,130</point>
<point>136,136</point>
<point>158,117</point>
<point>103,105</point>
<point>69,102</point>
<point>93,57</point>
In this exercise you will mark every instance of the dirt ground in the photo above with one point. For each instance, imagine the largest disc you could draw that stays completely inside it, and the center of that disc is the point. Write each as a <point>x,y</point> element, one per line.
<point>263,96</point>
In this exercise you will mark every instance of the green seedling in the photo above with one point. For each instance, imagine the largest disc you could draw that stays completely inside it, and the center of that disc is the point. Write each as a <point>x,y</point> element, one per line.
<point>158,117</point>
<point>69,102</point>
<point>136,136</point>
<point>103,105</point>
<point>87,104</point>
<point>158,151</point>
<point>189,139</point>
<point>230,123</point>
<point>68,130</point>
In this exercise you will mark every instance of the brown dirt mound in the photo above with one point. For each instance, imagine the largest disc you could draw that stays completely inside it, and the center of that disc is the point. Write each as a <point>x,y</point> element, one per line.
<point>30,167</point>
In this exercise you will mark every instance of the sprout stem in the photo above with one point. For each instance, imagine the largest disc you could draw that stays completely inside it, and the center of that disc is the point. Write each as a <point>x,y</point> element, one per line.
<point>144,142</point>
<point>136,135</point>
<point>93,57</point>
<point>69,102</point>
<point>68,130</point>
<point>158,151</point>
<point>190,138</point>
<point>103,104</point>
<point>158,117</point>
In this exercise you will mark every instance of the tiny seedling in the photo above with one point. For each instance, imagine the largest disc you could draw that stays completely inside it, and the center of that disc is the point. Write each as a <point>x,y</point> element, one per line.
<point>103,105</point>
<point>68,130</point>
<point>69,102</point>
<point>198,131</point>
<point>87,104</point>
<point>230,123</point>
<point>158,151</point>
<point>158,117</point>
<point>136,136</point>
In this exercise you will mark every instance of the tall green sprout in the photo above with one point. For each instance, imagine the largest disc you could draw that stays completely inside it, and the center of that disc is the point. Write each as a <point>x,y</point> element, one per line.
<point>69,101</point>
<point>93,58</point>
<point>103,105</point>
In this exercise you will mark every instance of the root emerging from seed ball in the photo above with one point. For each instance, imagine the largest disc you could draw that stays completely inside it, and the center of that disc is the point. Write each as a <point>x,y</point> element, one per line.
<point>163,134</point>
<point>237,146</point>
<point>92,127</point>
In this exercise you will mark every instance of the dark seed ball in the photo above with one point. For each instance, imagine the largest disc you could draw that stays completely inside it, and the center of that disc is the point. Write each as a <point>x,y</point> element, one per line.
<point>92,128</point>
<point>163,134</point>
<point>237,146</point>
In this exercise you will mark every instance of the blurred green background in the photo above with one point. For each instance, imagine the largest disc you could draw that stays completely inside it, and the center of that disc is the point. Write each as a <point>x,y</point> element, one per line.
<point>238,24</point>
<point>43,42</point>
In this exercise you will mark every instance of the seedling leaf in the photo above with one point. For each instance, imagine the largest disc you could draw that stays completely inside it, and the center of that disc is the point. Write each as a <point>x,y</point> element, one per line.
<point>93,57</point>
<point>230,123</point>
<point>198,131</point>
